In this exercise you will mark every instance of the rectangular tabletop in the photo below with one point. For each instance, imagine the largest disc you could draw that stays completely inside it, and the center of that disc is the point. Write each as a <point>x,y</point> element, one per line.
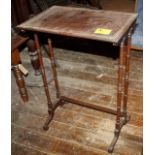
<point>100,25</point>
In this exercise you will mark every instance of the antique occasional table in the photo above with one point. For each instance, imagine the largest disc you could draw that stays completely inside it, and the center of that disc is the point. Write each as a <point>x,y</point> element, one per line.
<point>104,26</point>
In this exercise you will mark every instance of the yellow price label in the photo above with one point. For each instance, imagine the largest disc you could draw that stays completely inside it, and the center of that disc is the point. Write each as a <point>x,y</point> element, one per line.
<point>102,31</point>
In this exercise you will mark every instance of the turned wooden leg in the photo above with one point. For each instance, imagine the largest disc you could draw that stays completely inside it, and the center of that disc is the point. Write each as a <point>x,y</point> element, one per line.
<point>50,105</point>
<point>34,57</point>
<point>126,84</point>
<point>20,82</point>
<point>119,99</point>
<point>53,65</point>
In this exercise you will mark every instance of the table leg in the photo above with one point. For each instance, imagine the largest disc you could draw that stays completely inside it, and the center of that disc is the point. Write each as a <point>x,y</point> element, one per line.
<point>126,84</point>
<point>34,57</point>
<point>20,82</point>
<point>50,105</point>
<point>118,125</point>
<point>53,66</point>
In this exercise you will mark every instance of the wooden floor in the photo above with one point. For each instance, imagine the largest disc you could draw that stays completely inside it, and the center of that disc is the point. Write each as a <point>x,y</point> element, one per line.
<point>77,130</point>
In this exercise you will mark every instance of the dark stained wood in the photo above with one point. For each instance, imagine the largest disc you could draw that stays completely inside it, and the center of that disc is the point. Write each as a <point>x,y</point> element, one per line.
<point>80,22</point>
<point>89,105</point>
<point>120,86</point>
<point>126,83</point>
<point>15,57</point>
<point>70,18</point>
<point>36,39</point>
<point>49,101</point>
<point>20,82</point>
<point>16,42</point>
<point>53,66</point>
<point>119,123</point>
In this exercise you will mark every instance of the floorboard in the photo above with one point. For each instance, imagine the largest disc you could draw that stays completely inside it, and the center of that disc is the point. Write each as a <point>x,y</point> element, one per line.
<point>77,130</point>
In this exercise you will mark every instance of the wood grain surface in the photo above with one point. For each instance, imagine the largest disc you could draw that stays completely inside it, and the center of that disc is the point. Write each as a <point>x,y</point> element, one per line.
<point>77,130</point>
<point>17,41</point>
<point>81,23</point>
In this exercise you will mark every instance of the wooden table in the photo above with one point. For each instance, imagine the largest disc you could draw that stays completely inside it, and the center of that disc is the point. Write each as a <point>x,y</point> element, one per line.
<point>16,42</point>
<point>105,26</point>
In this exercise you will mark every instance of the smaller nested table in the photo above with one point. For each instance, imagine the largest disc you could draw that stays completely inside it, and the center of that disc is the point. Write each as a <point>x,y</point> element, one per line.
<point>104,26</point>
<point>16,42</point>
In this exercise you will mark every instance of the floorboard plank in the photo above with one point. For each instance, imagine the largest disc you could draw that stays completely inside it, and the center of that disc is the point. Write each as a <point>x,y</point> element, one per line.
<point>51,144</point>
<point>77,130</point>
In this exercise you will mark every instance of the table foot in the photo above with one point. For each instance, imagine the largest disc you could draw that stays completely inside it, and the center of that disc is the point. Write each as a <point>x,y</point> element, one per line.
<point>112,145</point>
<point>48,120</point>
<point>52,108</point>
<point>45,128</point>
<point>117,133</point>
